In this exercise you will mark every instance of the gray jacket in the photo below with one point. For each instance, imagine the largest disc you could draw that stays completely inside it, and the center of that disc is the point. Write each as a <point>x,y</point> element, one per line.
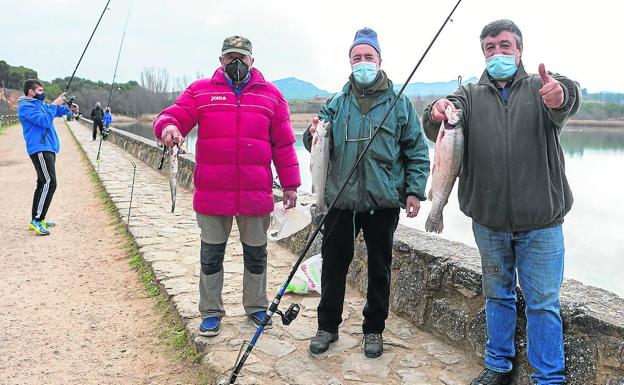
<point>513,172</point>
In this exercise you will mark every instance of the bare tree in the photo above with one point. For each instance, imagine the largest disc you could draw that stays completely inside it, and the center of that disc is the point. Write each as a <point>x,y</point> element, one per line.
<point>155,80</point>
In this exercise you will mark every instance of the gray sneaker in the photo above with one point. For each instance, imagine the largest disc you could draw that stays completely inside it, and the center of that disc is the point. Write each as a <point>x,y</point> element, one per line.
<point>321,341</point>
<point>373,345</point>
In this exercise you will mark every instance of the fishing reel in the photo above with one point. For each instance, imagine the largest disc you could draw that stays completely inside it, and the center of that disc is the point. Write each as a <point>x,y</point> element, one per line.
<point>71,101</point>
<point>290,314</point>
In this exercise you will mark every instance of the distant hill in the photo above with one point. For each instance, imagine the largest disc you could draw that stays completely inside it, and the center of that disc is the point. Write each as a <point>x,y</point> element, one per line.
<point>296,89</point>
<point>437,88</point>
<point>293,88</point>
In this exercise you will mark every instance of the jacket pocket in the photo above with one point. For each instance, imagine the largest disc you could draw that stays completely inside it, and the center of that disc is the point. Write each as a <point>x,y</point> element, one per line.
<point>557,196</point>
<point>385,146</point>
<point>384,153</point>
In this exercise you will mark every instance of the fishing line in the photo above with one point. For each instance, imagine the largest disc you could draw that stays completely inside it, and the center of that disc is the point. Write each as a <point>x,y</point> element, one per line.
<point>110,93</point>
<point>87,46</point>
<point>273,307</point>
<point>131,192</point>
<point>78,64</point>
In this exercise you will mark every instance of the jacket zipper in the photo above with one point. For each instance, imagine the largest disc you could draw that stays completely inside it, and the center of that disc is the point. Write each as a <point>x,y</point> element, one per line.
<point>238,192</point>
<point>508,156</point>
<point>507,151</point>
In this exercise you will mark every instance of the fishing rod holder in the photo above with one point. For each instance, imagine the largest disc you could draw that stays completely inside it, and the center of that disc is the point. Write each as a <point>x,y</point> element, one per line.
<point>290,314</point>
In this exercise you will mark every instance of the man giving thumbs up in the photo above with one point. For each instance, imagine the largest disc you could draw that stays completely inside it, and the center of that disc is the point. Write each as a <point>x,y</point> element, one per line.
<point>513,186</point>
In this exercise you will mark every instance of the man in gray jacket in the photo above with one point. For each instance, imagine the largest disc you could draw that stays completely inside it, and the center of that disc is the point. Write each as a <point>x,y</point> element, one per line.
<point>513,185</point>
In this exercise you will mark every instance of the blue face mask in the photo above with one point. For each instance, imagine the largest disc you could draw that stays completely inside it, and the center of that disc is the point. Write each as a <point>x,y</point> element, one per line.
<point>40,96</point>
<point>501,67</point>
<point>364,72</point>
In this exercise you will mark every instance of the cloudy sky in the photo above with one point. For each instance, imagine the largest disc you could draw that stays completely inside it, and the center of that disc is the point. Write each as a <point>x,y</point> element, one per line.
<point>310,39</point>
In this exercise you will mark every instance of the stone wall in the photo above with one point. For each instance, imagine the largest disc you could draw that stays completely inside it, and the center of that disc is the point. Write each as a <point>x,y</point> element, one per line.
<point>437,285</point>
<point>148,152</point>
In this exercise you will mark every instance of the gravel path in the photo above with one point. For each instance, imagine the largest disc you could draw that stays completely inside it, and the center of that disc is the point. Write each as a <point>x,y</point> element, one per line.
<point>72,311</point>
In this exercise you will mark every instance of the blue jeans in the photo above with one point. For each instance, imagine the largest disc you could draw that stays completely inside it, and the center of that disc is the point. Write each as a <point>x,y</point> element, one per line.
<point>537,257</point>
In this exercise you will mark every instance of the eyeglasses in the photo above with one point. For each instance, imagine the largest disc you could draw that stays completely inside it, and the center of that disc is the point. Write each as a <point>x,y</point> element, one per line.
<point>364,122</point>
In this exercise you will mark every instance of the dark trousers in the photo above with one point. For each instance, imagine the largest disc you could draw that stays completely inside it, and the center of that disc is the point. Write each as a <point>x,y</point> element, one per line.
<point>338,242</point>
<point>46,183</point>
<point>96,124</point>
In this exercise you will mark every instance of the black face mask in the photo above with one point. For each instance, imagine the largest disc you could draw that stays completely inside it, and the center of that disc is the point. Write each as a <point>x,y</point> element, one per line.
<point>40,96</point>
<point>237,70</point>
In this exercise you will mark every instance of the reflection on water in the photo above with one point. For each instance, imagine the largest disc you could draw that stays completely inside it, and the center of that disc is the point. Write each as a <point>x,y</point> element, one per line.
<point>594,242</point>
<point>577,140</point>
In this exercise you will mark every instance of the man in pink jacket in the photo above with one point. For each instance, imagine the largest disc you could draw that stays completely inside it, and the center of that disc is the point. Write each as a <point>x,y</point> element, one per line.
<point>243,124</point>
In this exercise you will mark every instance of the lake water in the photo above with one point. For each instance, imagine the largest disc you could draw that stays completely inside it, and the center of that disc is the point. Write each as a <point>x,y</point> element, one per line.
<point>594,228</point>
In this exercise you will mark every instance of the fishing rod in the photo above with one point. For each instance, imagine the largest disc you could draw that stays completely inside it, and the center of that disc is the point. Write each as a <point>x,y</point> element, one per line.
<point>87,46</point>
<point>292,311</point>
<point>110,93</point>
<point>71,99</point>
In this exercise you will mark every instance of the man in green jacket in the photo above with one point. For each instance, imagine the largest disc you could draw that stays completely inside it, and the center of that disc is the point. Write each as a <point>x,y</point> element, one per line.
<point>513,185</point>
<point>392,174</point>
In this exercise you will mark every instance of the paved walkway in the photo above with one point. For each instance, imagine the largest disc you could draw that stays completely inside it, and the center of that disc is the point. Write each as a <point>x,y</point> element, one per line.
<point>170,242</point>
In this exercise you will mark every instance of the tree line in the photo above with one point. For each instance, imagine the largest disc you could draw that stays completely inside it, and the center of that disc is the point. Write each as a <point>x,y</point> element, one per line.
<point>157,89</point>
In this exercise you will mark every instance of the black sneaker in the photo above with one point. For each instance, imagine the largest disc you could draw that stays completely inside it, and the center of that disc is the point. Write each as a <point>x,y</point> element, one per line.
<point>490,377</point>
<point>320,342</point>
<point>373,345</point>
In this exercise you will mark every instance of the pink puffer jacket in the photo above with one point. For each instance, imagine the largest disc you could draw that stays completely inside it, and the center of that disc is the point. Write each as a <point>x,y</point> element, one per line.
<point>238,136</point>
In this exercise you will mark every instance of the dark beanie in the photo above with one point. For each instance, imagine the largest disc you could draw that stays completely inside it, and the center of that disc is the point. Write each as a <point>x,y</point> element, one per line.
<point>366,36</point>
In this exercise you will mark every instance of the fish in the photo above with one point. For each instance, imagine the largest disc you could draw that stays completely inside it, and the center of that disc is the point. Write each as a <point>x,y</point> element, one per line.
<point>173,175</point>
<point>319,163</point>
<point>447,160</point>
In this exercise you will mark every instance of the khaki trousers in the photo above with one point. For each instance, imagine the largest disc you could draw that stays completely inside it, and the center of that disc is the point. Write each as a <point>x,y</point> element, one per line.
<point>215,231</point>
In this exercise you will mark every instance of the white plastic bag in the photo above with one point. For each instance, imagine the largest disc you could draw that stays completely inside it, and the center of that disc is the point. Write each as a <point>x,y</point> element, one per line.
<point>307,277</point>
<point>287,222</point>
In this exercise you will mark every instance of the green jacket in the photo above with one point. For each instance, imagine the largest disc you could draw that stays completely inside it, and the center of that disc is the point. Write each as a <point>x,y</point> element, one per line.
<point>513,172</point>
<point>395,166</point>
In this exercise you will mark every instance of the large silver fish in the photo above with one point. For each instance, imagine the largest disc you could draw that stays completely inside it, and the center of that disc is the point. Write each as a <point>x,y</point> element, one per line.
<point>173,176</point>
<point>319,163</point>
<point>447,160</point>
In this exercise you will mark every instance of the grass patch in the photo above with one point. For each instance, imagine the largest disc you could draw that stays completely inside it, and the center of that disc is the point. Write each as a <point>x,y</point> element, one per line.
<point>172,333</point>
<point>175,335</point>
<point>4,128</point>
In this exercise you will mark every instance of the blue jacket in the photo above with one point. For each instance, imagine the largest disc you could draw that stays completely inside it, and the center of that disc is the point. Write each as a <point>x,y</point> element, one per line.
<point>108,118</point>
<point>37,116</point>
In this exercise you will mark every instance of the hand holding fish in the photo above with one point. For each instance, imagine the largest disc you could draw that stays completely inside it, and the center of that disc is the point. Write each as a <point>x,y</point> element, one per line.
<point>551,90</point>
<point>412,206</point>
<point>315,122</point>
<point>438,109</point>
<point>290,199</point>
<point>171,135</point>
<point>314,125</point>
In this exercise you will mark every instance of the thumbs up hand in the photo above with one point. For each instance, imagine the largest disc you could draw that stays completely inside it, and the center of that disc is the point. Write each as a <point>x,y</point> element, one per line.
<point>551,91</point>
